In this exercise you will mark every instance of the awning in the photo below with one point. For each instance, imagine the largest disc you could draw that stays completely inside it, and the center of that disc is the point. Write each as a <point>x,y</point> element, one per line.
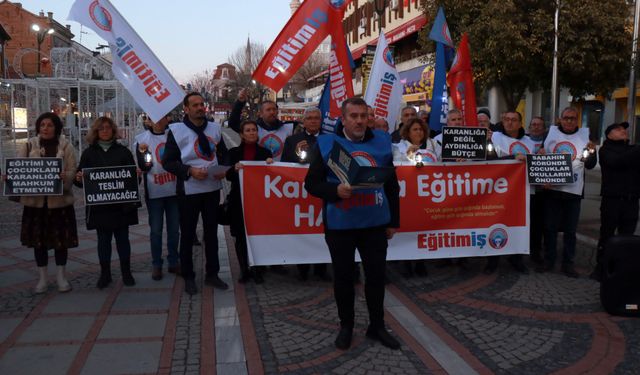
<point>396,34</point>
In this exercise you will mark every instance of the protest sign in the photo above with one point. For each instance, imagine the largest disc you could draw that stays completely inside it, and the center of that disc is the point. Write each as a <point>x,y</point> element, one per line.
<point>464,143</point>
<point>553,169</point>
<point>110,185</point>
<point>33,176</point>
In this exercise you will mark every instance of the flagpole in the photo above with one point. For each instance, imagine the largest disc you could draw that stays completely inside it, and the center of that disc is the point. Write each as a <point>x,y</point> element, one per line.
<point>631,99</point>
<point>554,79</point>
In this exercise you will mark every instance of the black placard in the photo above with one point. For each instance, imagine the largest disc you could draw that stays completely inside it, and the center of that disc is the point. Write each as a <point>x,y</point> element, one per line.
<point>553,169</point>
<point>33,176</point>
<point>464,143</point>
<point>110,185</point>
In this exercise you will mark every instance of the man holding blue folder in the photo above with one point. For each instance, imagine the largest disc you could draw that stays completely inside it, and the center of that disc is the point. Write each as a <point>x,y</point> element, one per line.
<point>362,217</point>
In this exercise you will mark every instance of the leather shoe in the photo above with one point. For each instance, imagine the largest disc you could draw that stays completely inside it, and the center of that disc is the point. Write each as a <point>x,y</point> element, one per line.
<point>343,340</point>
<point>385,338</point>
<point>490,269</point>
<point>421,268</point>
<point>156,273</point>
<point>174,269</point>
<point>279,269</point>
<point>216,282</point>
<point>190,287</point>
<point>569,271</point>
<point>546,267</point>
<point>244,278</point>
<point>520,267</point>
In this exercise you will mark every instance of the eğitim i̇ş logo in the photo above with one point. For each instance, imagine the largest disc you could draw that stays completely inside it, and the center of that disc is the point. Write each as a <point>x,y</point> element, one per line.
<point>159,152</point>
<point>364,159</point>
<point>566,148</point>
<point>387,56</point>
<point>272,143</point>
<point>427,156</point>
<point>100,16</point>
<point>518,148</point>
<point>446,34</point>
<point>498,238</point>
<point>200,153</point>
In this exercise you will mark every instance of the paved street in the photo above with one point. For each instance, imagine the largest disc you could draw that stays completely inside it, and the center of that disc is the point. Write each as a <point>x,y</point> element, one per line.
<point>453,321</point>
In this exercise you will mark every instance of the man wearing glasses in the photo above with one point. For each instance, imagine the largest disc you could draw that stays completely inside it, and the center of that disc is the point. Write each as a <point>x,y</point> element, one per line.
<point>562,204</point>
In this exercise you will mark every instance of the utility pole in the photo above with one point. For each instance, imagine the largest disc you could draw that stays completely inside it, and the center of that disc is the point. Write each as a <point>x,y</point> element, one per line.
<point>631,99</point>
<point>554,78</point>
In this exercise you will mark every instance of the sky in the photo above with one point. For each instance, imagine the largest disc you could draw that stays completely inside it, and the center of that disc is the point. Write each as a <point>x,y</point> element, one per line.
<point>189,36</point>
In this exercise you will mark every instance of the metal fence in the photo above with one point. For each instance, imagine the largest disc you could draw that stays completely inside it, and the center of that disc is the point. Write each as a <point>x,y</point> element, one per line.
<point>77,102</point>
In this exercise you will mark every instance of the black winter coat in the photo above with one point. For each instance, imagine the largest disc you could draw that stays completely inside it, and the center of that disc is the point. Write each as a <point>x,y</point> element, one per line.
<point>289,149</point>
<point>235,155</point>
<point>115,215</point>
<point>620,167</point>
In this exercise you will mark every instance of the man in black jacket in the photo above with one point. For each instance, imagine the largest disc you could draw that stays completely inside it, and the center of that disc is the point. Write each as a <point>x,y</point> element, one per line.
<point>620,189</point>
<point>297,149</point>
<point>271,131</point>
<point>562,202</point>
<point>194,149</point>
<point>407,114</point>
<point>364,219</point>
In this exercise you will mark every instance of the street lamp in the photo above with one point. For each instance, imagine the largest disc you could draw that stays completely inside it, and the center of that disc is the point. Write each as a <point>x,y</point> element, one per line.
<point>379,6</point>
<point>554,76</point>
<point>40,35</point>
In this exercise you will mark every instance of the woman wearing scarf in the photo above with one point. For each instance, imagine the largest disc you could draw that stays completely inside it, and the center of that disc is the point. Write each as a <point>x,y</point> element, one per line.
<point>49,222</point>
<point>112,219</point>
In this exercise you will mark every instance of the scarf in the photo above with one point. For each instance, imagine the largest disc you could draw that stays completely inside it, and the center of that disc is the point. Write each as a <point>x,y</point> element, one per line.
<point>202,138</point>
<point>50,147</point>
<point>104,145</point>
<point>249,151</point>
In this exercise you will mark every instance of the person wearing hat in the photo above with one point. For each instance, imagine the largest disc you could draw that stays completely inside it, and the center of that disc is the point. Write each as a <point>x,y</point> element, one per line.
<point>484,120</point>
<point>620,188</point>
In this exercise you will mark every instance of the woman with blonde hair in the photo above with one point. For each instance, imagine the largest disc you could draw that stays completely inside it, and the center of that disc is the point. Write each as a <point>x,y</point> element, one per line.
<point>49,222</point>
<point>415,140</point>
<point>112,219</point>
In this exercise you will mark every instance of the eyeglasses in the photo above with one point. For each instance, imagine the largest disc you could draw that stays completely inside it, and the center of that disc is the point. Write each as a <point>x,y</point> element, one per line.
<point>570,118</point>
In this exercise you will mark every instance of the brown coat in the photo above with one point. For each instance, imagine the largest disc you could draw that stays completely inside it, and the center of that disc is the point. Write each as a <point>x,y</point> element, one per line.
<point>68,155</point>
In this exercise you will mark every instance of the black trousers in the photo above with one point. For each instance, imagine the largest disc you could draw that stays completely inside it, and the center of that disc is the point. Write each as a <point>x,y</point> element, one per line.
<point>319,269</point>
<point>372,246</point>
<point>42,256</point>
<point>242,252</point>
<point>536,218</point>
<point>191,206</point>
<point>616,213</point>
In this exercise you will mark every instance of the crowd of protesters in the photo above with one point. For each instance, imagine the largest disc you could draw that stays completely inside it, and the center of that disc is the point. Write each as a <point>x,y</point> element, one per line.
<point>192,159</point>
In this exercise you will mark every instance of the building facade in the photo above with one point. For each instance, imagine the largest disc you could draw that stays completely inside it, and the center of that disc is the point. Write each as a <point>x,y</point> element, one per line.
<point>21,52</point>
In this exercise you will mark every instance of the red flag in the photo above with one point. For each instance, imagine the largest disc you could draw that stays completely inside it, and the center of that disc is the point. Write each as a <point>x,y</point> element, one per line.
<point>339,72</point>
<point>306,29</point>
<point>460,80</point>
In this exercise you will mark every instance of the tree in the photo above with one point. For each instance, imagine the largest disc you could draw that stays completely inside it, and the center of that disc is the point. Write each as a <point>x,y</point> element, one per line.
<point>203,83</point>
<point>512,43</point>
<point>316,64</point>
<point>246,59</point>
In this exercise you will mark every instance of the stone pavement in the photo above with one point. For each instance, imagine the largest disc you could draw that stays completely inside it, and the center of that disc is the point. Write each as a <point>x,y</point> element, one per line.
<point>453,321</point>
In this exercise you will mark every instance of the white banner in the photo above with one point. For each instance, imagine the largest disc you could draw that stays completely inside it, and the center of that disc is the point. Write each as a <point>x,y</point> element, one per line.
<point>134,64</point>
<point>384,90</point>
